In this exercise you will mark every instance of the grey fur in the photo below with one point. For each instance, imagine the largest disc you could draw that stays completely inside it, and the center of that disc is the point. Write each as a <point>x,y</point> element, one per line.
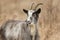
<point>15,30</point>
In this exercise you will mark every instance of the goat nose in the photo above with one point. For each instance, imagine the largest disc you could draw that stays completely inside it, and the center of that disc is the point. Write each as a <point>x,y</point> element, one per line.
<point>28,22</point>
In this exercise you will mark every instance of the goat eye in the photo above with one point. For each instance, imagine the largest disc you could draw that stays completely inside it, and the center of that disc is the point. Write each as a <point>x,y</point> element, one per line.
<point>34,15</point>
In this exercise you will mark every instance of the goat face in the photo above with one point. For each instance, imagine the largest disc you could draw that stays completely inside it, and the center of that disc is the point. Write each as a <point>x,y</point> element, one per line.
<point>32,15</point>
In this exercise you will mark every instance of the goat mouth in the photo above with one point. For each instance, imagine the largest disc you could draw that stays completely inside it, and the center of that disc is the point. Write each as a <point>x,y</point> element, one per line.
<point>28,22</point>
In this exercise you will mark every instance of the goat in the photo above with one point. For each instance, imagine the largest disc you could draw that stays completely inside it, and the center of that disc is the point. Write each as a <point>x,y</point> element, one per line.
<point>21,30</point>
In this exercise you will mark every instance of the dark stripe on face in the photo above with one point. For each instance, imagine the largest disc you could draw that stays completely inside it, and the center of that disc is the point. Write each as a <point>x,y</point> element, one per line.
<point>35,15</point>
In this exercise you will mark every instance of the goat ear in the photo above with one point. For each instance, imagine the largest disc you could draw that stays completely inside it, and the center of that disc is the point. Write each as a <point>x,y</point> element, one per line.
<point>38,11</point>
<point>26,11</point>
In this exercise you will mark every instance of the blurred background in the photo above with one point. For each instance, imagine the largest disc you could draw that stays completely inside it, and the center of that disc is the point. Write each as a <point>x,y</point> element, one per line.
<point>49,18</point>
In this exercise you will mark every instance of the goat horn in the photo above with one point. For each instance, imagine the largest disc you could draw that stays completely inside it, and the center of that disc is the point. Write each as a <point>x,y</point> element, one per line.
<point>38,5</point>
<point>31,6</point>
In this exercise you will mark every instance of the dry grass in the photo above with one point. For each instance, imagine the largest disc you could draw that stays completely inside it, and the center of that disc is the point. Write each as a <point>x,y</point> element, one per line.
<point>49,21</point>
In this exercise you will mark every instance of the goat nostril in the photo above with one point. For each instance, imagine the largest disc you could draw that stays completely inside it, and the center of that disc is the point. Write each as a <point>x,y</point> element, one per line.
<point>31,18</point>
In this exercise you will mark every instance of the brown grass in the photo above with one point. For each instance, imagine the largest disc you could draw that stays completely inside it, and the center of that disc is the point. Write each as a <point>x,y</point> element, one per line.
<point>49,21</point>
